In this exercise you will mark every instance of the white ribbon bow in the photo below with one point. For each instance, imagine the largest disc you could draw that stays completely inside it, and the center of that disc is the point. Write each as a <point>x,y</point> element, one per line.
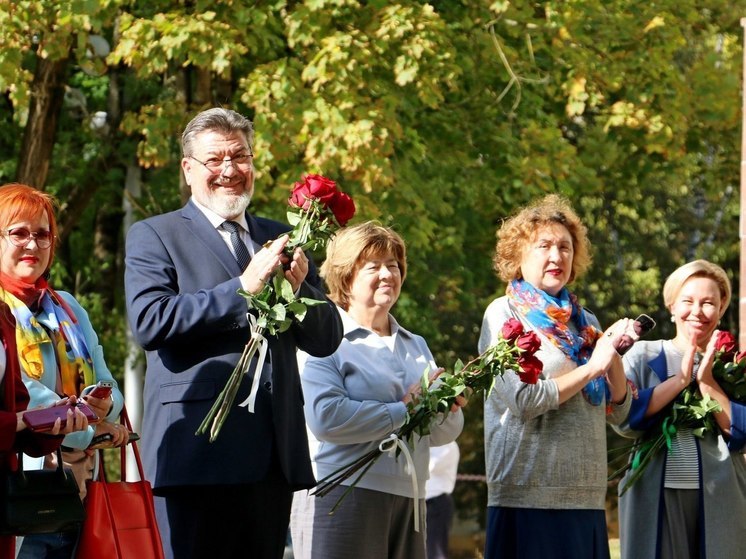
<point>263,346</point>
<point>390,445</point>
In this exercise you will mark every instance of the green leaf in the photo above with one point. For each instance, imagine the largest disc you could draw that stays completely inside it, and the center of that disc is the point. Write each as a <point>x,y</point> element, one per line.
<point>311,302</point>
<point>278,313</point>
<point>298,309</point>
<point>284,289</point>
<point>293,218</point>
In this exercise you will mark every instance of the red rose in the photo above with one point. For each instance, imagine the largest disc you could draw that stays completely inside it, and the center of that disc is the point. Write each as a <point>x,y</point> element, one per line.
<point>531,368</point>
<point>300,198</point>
<point>528,342</point>
<point>512,329</point>
<point>725,341</point>
<point>321,188</point>
<point>342,207</point>
<point>313,186</point>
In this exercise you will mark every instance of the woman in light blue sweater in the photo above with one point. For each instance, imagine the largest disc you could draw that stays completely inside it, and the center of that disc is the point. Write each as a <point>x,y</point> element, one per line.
<point>357,397</point>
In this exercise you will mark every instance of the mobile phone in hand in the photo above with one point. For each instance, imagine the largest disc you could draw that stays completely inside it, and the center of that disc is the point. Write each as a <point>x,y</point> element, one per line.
<point>102,389</point>
<point>43,419</point>
<point>643,325</point>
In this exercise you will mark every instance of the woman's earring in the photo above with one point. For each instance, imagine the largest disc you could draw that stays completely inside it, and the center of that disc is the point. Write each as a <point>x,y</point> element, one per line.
<point>673,318</point>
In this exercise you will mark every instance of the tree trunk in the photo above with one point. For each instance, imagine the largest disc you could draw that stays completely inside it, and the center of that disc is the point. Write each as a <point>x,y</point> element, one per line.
<point>47,94</point>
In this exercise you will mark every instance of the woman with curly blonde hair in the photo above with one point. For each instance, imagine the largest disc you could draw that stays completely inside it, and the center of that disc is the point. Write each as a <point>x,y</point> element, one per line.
<point>545,443</point>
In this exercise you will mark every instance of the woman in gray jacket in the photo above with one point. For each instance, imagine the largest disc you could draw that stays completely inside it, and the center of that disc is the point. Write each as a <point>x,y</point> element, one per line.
<point>545,443</point>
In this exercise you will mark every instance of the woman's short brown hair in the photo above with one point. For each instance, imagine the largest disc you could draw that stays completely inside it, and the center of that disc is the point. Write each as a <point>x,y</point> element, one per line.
<point>350,248</point>
<point>519,230</point>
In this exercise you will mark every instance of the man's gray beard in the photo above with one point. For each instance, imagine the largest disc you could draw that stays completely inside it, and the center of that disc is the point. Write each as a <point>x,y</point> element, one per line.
<point>230,208</point>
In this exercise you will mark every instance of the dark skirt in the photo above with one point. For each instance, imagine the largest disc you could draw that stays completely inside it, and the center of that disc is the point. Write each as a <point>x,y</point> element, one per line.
<point>514,533</point>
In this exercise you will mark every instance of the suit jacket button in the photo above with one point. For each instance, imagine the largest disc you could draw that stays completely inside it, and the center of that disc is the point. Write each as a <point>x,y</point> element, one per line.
<point>268,386</point>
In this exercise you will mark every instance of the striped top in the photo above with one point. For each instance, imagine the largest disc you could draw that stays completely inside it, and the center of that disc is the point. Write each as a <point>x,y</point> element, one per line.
<point>682,465</point>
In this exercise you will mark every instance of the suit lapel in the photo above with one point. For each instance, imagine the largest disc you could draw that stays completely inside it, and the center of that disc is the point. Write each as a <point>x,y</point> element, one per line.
<point>204,233</point>
<point>259,234</point>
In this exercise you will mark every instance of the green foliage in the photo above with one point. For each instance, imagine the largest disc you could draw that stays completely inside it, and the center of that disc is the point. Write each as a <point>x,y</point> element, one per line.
<point>46,29</point>
<point>440,119</point>
<point>317,218</point>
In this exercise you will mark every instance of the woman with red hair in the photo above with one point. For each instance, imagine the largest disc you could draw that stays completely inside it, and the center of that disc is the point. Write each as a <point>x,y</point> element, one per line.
<point>56,349</point>
<point>14,435</point>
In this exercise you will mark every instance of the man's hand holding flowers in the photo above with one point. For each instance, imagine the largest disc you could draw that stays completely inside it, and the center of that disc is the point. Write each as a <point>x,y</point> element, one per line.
<point>263,265</point>
<point>295,269</point>
<point>317,210</point>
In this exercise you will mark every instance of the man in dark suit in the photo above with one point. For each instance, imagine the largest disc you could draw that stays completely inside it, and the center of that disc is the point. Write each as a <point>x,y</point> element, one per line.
<point>232,497</point>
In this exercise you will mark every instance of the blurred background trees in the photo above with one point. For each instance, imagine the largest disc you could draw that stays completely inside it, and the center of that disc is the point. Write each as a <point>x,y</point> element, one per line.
<point>440,119</point>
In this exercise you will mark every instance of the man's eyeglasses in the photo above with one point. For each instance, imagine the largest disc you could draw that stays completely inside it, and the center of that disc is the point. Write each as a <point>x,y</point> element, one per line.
<point>242,162</point>
<point>21,237</point>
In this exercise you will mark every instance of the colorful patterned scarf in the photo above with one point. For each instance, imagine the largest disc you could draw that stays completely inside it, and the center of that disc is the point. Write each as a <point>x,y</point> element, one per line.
<point>552,316</point>
<point>65,335</point>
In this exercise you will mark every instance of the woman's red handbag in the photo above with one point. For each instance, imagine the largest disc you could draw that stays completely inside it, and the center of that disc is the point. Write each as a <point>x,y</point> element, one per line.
<point>120,518</point>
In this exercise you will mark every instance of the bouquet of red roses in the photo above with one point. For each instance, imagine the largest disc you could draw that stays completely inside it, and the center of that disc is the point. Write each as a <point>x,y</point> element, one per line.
<point>317,210</point>
<point>514,350</point>
<point>691,409</point>
<point>729,367</point>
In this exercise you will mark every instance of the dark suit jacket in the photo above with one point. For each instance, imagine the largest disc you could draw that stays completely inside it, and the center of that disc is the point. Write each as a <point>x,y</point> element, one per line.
<point>181,284</point>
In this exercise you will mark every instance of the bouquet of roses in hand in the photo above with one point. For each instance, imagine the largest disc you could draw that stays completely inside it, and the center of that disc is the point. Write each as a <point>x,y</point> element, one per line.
<point>729,367</point>
<point>514,350</point>
<point>691,409</point>
<point>317,210</point>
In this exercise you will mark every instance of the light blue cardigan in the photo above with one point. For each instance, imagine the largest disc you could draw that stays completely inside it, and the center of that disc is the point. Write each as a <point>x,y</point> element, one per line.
<point>353,403</point>
<point>42,391</point>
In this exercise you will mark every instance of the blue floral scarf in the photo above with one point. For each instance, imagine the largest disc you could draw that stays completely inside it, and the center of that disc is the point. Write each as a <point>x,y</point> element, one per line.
<point>552,317</point>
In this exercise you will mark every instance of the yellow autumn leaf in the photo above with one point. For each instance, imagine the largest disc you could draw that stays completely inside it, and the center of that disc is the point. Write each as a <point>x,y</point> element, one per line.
<point>657,21</point>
